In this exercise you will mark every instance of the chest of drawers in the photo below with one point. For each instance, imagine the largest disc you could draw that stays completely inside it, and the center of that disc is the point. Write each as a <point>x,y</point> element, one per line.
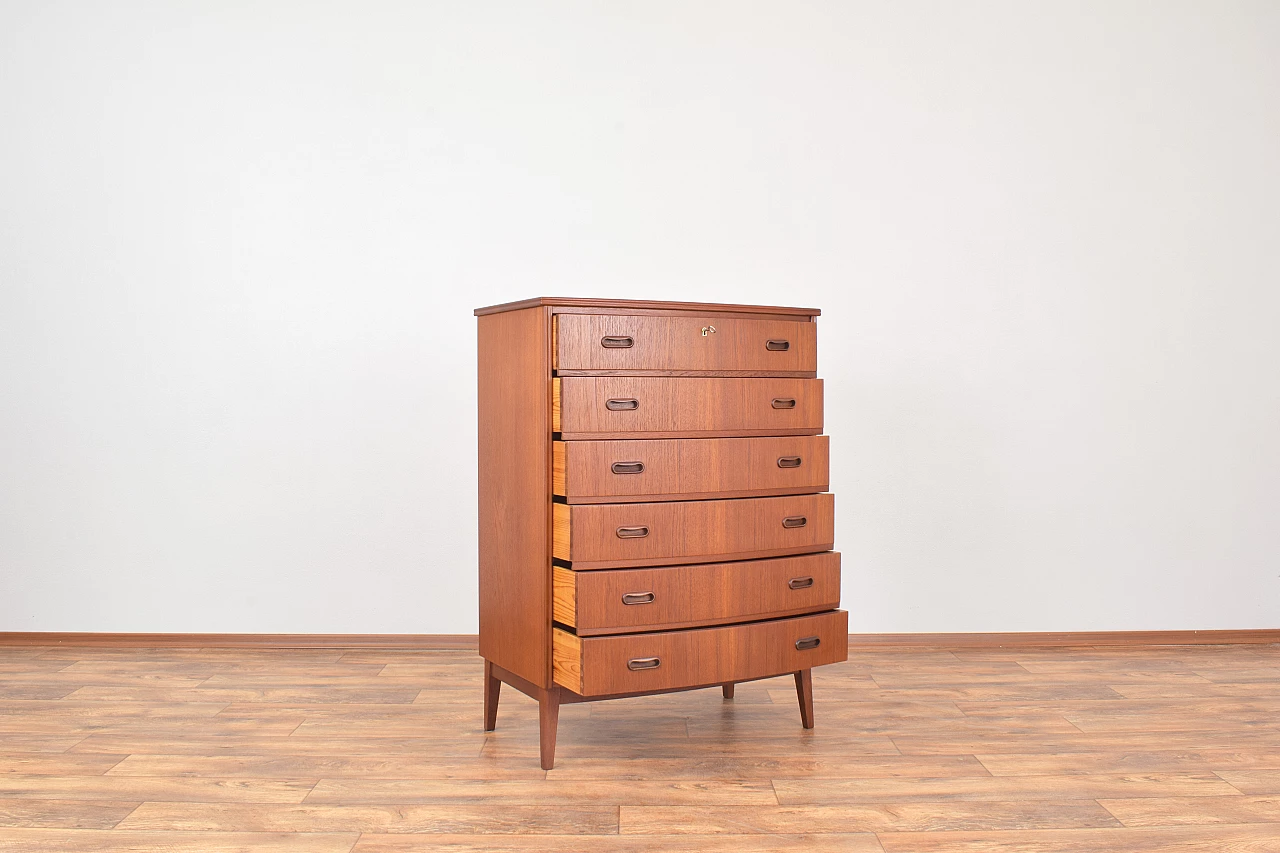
<point>653,504</point>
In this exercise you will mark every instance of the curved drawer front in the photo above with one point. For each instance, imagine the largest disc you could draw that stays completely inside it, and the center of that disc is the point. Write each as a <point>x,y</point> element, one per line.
<point>599,536</point>
<point>620,601</point>
<point>739,346</point>
<point>601,666</point>
<point>586,407</point>
<point>689,468</point>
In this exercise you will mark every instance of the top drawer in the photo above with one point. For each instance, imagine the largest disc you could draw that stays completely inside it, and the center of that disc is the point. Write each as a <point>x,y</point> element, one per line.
<point>724,346</point>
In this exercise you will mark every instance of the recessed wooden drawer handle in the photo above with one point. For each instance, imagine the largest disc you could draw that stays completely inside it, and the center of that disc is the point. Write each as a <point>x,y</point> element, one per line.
<point>784,402</point>
<point>627,467</point>
<point>620,342</point>
<point>632,532</point>
<point>777,345</point>
<point>800,583</point>
<point>795,521</point>
<point>646,663</point>
<point>807,643</point>
<point>637,598</point>
<point>789,461</point>
<point>622,405</point>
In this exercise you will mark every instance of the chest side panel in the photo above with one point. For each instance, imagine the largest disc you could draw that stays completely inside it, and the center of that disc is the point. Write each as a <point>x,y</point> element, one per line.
<point>514,433</point>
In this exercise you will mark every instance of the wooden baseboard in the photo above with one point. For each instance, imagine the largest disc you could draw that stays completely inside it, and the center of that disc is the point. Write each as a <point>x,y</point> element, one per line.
<point>243,641</point>
<point>1064,638</point>
<point>471,642</point>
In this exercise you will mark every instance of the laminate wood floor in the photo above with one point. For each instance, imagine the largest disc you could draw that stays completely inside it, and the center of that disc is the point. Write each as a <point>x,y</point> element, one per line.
<point>928,751</point>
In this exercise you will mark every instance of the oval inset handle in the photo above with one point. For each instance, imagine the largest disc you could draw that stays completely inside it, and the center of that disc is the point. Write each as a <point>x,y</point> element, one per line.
<point>777,345</point>
<point>618,342</point>
<point>789,461</point>
<point>626,405</point>
<point>644,663</point>
<point>627,467</point>
<point>784,402</point>
<point>800,583</point>
<point>795,521</point>
<point>805,643</point>
<point>637,598</point>
<point>632,532</point>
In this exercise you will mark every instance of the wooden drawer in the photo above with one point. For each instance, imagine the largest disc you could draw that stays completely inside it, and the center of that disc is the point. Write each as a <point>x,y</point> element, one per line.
<point>605,536</point>
<point>619,601</point>
<point>601,666</point>
<point>605,343</point>
<point>600,407</point>
<point>688,468</point>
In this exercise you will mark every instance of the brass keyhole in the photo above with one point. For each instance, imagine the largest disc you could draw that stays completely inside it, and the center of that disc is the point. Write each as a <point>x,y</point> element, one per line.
<point>708,330</point>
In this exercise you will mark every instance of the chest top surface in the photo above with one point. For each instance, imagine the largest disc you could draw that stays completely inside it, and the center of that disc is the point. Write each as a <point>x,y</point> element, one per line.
<point>642,304</point>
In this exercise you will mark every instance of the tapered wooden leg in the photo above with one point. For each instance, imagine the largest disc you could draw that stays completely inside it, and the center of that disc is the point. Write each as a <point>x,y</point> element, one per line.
<point>548,719</point>
<point>492,687</point>
<point>728,690</point>
<point>804,692</point>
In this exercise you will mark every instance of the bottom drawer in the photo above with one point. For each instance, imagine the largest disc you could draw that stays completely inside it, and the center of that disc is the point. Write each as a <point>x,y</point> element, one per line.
<point>600,666</point>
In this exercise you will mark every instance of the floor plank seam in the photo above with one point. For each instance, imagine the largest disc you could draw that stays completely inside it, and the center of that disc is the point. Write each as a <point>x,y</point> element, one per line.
<point>1229,782</point>
<point>69,750</point>
<point>129,815</point>
<point>107,770</point>
<point>1073,725</point>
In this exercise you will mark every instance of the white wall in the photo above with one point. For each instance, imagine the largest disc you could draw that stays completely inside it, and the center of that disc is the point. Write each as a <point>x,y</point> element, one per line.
<point>240,243</point>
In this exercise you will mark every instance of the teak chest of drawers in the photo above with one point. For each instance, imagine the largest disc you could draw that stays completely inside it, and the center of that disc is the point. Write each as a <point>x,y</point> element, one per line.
<point>653,506</point>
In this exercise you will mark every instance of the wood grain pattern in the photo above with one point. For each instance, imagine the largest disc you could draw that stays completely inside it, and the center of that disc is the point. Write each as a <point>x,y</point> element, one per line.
<point>841,843</point>
<point>561,530</point>
<point>702,656</point>
<point>90,841</point>
<point>680,344</point>
<point>897,817</point>
<point>691,469</point>
<point>566,660</point>
<point>1254,780</point>
<point>564,596</point>
<point>1232,839</point>
<point>686,407</point>
<point>438,814</point>
<point>692,531</point>
<point>514,492</point>
<point>1189,811</point>
<point>1001,788</point>
<point>688,596</point>
<point>565,302</point>
<point>902,762</point>
<point>64,814</point>
<point>356,791</point>
<point>559,453</point>
<point>556,408</point>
